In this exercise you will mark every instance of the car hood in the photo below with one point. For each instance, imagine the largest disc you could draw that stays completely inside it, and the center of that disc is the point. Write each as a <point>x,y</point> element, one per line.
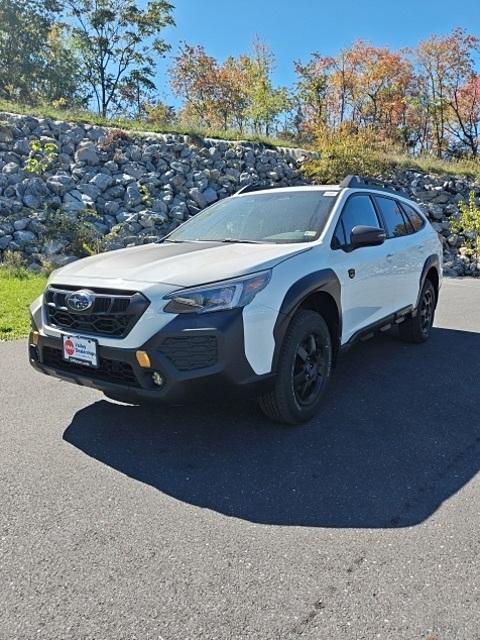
<point>185,264</point>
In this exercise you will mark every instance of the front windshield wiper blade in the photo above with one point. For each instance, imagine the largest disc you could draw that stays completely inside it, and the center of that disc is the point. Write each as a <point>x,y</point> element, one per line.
<point>238,241</point>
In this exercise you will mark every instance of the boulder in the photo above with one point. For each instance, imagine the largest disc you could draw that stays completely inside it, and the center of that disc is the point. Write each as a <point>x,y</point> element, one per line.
<point>87,153</point>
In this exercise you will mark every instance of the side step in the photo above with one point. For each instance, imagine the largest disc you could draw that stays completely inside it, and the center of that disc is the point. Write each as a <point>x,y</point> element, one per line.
<point>379,327</point>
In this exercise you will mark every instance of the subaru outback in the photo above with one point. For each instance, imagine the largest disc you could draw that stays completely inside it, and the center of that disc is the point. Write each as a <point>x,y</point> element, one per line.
<point>257,293</point>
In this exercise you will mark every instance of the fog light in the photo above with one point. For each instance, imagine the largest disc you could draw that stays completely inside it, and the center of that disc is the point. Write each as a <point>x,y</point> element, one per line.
<point>143,359</point>
<point>158,379</point>
<point>34,336</point>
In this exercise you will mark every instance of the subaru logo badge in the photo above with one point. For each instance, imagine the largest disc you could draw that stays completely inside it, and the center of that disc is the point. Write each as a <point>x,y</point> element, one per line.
<point>80,301</point>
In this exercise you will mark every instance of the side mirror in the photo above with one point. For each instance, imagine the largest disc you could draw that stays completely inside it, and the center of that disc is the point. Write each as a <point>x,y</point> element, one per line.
<point>363,236</point>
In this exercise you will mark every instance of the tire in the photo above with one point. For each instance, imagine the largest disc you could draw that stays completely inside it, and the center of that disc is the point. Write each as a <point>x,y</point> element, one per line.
<point>417,328</point>
<point>304,369</point>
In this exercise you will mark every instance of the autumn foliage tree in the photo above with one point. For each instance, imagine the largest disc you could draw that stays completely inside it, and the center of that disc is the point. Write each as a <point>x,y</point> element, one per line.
<point>237,93</point>
<point>103,55</point>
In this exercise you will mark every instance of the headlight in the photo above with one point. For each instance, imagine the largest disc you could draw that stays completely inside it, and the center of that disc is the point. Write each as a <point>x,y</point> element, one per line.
<point>219,295</point>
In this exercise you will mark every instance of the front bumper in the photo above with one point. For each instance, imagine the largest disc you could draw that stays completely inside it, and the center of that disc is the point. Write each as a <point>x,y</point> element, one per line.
<point>196,358</point>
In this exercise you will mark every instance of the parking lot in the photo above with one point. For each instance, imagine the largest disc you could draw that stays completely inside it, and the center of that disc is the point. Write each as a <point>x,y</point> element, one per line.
<point>207,522</point>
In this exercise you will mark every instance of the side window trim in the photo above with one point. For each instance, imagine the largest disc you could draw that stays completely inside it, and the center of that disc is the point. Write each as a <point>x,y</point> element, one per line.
<point>381,222</point>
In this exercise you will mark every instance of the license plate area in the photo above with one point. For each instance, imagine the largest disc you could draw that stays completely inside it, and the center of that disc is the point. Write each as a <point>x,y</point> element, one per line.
<point>80,350</point>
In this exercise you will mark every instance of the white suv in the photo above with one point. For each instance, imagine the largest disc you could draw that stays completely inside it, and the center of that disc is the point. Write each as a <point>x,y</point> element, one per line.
<point>258,292</point>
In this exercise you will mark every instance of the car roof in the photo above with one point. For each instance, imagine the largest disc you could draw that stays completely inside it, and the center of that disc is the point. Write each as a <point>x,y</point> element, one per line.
<point>321,187</point>
<point>336,188</point>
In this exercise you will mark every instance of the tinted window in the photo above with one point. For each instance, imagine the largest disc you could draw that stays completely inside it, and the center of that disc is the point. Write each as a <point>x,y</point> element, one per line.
<point>282,216</point>
<point>415,218</point>
<point>359,210</point>
<point>396,224</point>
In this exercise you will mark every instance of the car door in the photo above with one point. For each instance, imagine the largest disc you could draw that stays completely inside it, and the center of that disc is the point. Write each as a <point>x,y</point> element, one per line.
<point>364,272</point>
<point>419,244</point>
<point>403,252</point>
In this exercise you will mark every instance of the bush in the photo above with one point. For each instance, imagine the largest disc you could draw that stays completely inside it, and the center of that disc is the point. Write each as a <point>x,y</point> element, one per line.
<point>468,224</point>
<point>42,156</point>
<point>78,231</point>
<point>347,152</point>
<point>14,265</point>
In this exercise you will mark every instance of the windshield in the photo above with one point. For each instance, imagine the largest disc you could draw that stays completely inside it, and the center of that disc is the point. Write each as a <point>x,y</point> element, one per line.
<point>263,217</point>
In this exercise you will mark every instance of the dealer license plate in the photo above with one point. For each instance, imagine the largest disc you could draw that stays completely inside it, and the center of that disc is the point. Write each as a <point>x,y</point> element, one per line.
<point>80,350</point>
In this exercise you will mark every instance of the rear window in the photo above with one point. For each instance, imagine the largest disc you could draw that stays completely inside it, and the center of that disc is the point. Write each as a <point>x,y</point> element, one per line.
<point>415,218</point>
<point>396,223</point>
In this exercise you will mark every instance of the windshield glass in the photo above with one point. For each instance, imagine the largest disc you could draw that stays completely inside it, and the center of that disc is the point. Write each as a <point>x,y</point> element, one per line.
<point>298,216</point>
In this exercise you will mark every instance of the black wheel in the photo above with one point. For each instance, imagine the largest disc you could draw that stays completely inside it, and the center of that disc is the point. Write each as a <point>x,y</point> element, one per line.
<point>417,328</point>
<point>304,369</point>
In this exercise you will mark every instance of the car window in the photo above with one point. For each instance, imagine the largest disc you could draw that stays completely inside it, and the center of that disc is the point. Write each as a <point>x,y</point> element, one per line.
<point>273,216</point>
<point>415,218</point>
<point>358,210</point>
<point>396,223</point>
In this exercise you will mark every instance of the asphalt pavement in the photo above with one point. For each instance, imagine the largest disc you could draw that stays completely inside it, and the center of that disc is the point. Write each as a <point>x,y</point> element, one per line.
<point>207,522</point>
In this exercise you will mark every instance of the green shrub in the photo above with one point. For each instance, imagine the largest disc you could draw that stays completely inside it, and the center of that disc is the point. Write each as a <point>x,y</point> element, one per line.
<point>346,152</point>
<point>41,157</point>
<point>14,265</point>
<point>78,231</point>
<point>468,223</point>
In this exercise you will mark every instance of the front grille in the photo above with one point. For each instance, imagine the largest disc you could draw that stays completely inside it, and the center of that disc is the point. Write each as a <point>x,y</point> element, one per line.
<point>113,314</point>
<point>109,370</point>
<point>190,352</point>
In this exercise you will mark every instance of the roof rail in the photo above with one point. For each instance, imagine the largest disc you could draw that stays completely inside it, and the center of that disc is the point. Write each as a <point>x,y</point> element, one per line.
<point>357,182</point>
<point>252,186</point>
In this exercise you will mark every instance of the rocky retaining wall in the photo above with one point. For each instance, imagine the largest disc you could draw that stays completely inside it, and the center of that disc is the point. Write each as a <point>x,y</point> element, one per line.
<point>69,189</point>
<point>85,187</point>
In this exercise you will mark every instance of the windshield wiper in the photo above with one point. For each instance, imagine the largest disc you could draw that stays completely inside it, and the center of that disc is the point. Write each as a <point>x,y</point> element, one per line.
<point>237,241</point>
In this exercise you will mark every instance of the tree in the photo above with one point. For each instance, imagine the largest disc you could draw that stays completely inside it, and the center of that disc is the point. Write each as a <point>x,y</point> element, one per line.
<point>465,106</point>
<point>192,78</point>
<point>115,39</point>
<point>380,82</point>
<point>312,88</point>
<point>61,82</point>
<point>215,95</point>
<point>25,26</point>
<point>160,114</point>
<point>445,65</point>
<point>136,91</point>
<point>232,96</point>
<point>266,102</point>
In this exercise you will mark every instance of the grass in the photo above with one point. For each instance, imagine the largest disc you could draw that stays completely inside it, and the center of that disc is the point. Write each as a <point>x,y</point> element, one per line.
<point>332,168</point>
<point>88,117</point>
<point>18,288</point>
<point>468,167</point>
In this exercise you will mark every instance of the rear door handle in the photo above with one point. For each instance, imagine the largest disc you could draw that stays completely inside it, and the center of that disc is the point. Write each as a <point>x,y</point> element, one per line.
<point>389,256</point>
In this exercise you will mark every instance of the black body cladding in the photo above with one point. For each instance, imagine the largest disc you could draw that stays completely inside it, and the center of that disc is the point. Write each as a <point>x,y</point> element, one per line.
<point>323,281</point>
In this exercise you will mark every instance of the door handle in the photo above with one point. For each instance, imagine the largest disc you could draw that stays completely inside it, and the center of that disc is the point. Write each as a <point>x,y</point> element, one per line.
<point>389,256</point>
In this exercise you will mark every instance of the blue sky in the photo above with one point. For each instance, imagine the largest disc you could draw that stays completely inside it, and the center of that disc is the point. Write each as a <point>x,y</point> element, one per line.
<point>296,28</point>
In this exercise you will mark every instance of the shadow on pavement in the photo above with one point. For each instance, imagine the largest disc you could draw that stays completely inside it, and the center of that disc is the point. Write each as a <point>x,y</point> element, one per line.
<point>399,434</point>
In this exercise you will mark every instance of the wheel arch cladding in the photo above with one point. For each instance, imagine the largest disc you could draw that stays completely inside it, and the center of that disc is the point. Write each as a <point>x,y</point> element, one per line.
<point>431,270</point>
<point>319,291</point>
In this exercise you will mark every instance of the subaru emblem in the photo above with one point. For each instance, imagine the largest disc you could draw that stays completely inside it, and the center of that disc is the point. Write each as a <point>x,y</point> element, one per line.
<point>80,301</point>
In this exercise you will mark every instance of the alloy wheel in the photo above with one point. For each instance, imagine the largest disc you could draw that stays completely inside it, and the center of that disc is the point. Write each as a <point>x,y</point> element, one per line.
<point>309,369</point>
